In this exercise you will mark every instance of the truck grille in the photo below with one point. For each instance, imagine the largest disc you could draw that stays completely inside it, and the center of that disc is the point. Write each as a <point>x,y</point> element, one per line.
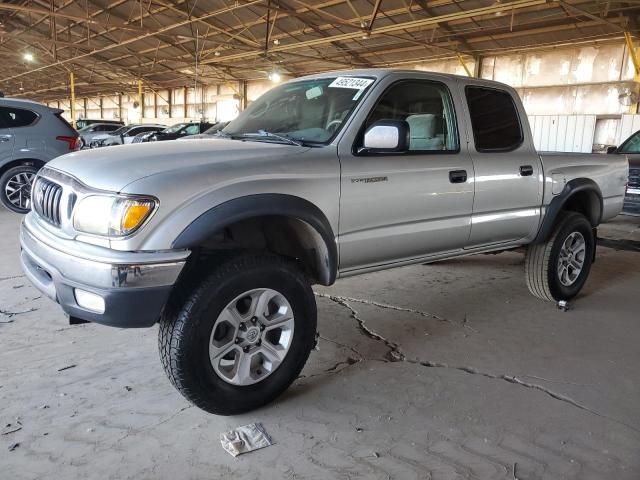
<point>632,199</point>
<point>46,200</point>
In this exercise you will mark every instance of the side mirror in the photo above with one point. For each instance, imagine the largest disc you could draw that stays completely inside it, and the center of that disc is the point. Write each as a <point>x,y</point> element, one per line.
<point>612,149</point>
<point>386,136</point>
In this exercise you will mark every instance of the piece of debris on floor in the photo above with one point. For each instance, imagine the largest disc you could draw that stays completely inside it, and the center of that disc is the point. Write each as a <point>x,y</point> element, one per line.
<point>128,388</point>
<point>13,446</point>
<point>245,439</point>
<point>12,428</point>
<point>68,367</point>
<point>563,305</point>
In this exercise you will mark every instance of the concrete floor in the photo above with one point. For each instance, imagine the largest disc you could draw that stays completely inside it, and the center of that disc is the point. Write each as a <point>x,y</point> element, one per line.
<point>440,371</point>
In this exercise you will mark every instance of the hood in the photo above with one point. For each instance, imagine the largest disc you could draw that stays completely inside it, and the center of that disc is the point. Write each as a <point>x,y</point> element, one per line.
<point>115,167</point>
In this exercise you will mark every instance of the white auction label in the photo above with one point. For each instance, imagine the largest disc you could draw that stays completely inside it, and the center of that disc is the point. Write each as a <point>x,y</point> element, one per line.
<point>351,82</point>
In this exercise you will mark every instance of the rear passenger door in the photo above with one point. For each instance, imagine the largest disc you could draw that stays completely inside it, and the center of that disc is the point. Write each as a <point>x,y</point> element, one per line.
<point>508,171</point>
<point>6,138</point>
<point>398,207</point>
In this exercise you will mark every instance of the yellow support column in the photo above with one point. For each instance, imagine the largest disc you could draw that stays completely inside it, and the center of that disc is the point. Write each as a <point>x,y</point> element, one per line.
<point>636,65</point>
<point>72,84</point>
<point>140,100</point>
<point>464,65</point>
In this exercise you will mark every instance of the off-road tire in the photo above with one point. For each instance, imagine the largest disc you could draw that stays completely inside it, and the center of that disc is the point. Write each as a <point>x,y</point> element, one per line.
<point>189,317</point>
<point>3,183</point>
<point>541,262</point>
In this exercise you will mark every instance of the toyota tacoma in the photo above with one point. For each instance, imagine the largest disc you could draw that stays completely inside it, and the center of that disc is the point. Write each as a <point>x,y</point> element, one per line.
<point>220,239</point>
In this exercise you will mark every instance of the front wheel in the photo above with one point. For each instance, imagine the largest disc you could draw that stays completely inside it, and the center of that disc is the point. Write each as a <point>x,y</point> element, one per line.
<point>558,268</point>
<point>237,338</point>
<point>15,188</point>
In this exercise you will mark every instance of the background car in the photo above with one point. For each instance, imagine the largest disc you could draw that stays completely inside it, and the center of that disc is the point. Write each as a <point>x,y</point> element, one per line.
<point>31,134</point>
<point>213,130</point>
<point>89,132</point>
<point>124,135</point>
<point>631,148</point>
<point>180,130</point>
<point>85,122</point>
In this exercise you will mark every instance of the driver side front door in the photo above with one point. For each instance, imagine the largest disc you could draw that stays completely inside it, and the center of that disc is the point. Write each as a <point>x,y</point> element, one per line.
<point>402,207</point>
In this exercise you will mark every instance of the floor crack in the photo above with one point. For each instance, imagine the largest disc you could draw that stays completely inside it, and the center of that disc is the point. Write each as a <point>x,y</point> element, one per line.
<point>395,353</point>
<point>2,279</point>
<point>517,381</point>
<point>335,298</point>
<point>9,314</point>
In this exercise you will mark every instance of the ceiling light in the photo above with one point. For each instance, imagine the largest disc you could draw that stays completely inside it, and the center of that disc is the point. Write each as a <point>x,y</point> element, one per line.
<point>275,77</point>
<point>28,56</point>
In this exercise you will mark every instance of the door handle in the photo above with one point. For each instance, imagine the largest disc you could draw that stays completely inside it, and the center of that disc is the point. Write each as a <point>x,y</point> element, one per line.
<point>458,176</point>
<point>526,170</point>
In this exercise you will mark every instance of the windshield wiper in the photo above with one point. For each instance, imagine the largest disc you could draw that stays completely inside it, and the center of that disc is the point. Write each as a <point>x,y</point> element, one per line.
<point>264,133</point>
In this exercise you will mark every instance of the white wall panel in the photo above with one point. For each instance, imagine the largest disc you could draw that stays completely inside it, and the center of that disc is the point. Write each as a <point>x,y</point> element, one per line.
<point>628,125</point>
<point>563,133</point>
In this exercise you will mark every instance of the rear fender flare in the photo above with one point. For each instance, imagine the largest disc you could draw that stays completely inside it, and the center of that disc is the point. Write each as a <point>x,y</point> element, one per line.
<point>572,188</point>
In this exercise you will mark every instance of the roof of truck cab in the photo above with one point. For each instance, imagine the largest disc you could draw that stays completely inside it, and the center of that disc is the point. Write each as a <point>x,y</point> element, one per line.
<point>383,72</point>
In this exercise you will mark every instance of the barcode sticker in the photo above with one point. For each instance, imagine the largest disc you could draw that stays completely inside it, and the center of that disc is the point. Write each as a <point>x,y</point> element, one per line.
<point>351,82</point>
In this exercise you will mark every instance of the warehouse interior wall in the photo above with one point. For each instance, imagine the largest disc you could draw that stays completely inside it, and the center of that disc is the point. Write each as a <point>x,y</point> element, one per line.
<point>594,82</point>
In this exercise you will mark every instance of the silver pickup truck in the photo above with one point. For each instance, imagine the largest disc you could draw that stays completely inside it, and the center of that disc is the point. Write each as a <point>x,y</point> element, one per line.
<point>219,240</point>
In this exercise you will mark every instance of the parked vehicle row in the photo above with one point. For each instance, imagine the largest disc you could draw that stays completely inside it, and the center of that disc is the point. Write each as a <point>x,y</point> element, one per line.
<point>31,134</point>
<point>124,135</point>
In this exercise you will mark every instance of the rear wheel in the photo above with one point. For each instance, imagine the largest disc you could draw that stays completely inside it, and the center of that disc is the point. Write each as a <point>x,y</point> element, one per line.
<point>15,188</point>
<point>558,268</point>
<point>235,339</point>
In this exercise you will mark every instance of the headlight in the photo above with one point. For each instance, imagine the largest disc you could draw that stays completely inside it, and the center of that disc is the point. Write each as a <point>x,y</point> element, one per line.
<point>111,216</point>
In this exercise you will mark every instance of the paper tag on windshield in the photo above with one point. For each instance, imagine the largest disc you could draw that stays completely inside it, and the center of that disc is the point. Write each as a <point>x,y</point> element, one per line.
<point>351,82</point>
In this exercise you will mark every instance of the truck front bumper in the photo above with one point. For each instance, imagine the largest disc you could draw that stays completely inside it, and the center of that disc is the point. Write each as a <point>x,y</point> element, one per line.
<point>120,289</point>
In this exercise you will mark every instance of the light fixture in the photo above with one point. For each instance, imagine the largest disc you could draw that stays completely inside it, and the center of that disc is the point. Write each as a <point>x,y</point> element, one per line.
<point>28,56</point>
<point>275,77</point>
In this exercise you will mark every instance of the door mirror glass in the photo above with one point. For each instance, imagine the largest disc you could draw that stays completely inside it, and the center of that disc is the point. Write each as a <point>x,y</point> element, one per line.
<point>387,136</point>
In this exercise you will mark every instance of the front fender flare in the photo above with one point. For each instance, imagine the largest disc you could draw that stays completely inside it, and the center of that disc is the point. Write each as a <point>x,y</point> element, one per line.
<point>252,206</point>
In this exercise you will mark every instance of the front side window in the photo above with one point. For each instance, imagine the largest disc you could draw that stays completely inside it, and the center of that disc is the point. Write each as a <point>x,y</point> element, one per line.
<point>192,129</point>
<point>17,117</point>
<point>175,128</point>
<point>494,119</point>
<point>427,108</point>
<point>631,145</point>
<point>308,111</point>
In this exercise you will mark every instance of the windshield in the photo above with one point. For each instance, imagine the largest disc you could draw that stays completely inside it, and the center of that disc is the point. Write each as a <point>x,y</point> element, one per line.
<point>309,111</point>
<point>631,145</point>
<point>120,131</point>
<point>174,128</point>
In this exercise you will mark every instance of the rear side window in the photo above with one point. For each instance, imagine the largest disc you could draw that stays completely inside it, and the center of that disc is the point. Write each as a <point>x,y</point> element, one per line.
<point>17,117</point>
<point>64,121</point>
<point>494,119</point>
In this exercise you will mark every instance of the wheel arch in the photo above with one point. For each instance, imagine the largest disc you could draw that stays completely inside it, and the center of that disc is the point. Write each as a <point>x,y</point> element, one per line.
<point>580,195</point>
<point>22,161</point>
<point>279,223</point>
